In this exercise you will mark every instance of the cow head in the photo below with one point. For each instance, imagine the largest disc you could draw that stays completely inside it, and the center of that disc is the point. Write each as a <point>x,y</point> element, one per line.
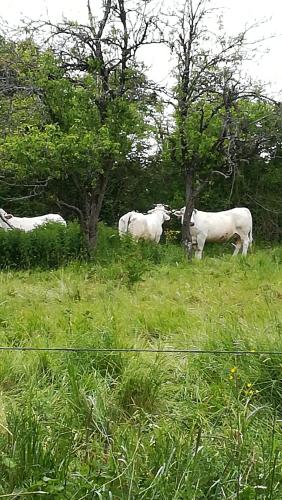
<point>166,216</point>
<point>180,215</point>
<point>192,220</point>
<point>160,207</point>
<point>4,214</point>
<point>4,218</point>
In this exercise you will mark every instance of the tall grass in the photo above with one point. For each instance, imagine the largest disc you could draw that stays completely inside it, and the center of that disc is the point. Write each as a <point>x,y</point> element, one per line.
<point>148,426</point>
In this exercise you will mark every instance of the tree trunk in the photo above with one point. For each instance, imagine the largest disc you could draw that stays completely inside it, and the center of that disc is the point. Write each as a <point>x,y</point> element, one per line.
<point>92,208</point>
<point>89,227</point>
<point>186,234</point>
<point>188,168</point>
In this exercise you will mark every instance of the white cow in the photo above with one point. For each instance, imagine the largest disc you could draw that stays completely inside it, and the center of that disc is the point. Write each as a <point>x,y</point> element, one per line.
<point>146,226</point>
<point>220,226</point>
<point>8,221</point>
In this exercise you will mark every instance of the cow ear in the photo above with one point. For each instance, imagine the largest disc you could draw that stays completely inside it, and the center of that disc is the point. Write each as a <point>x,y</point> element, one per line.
<point>8,216</point>
<point>195,210</point>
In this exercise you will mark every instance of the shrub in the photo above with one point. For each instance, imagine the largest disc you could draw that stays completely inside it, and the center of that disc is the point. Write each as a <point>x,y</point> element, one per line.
<point>54,245</point>
<point>111,247</point>
<point>46,247</point>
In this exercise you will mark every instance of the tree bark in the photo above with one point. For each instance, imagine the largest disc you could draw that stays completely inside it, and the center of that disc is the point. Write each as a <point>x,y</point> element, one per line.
<point>186,233</point>
<point>188,167</point>
<point>92,209</point>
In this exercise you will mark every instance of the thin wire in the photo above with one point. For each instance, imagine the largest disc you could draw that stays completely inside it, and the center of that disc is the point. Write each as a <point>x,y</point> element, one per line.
<point>140,350</point>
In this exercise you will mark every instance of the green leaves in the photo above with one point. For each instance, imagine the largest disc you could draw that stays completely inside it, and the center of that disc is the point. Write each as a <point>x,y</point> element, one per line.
<point>31,155</point>
<point>62,129</point>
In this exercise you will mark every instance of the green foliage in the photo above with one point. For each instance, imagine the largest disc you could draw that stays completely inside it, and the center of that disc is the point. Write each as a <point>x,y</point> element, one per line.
<point>49,246</point>
<point>62,136</point>
<point>53,245</point>
<point>63,132</point>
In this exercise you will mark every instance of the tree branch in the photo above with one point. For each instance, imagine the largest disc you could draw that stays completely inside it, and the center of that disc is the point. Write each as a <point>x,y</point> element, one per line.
<point>71,207</point>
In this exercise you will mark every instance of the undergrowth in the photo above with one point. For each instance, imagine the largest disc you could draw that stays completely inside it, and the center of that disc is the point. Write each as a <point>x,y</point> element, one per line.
<point>46,247</point>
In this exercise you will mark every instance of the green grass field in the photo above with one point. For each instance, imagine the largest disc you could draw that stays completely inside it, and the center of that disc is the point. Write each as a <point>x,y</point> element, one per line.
<point>143,425</point>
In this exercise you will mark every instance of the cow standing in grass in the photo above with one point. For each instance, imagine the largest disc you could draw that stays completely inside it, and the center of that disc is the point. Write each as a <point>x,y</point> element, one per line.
<point>8,221</point>
<point>220,227</point>
<point>147,226</point>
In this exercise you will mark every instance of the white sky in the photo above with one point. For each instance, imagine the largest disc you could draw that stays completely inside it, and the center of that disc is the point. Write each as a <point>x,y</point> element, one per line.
<point>237,13</point>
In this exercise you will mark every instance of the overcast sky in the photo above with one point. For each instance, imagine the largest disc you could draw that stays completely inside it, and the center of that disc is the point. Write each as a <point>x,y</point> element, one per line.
<point>237,13</point>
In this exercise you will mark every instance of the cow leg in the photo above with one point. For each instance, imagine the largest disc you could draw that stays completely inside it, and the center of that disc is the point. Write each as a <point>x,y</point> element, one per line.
<point>246,243</point>
<point>200,246</point>
<point>238,245</point>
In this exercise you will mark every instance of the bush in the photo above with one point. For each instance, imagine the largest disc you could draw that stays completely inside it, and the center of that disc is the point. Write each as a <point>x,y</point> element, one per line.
<point>111,247</point>
<point>54,245</point>
<point>124,259</point>
<point>49,246</point>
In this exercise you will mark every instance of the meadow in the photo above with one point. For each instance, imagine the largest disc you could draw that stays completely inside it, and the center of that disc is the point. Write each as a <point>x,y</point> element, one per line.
<point>143,425</point>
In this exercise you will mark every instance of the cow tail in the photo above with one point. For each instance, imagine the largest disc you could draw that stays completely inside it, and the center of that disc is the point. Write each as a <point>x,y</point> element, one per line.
<point>251,236</point>
<point>123,224</point>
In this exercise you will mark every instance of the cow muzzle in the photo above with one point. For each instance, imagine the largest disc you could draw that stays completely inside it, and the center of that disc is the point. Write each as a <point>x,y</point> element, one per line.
<point>177,213</point>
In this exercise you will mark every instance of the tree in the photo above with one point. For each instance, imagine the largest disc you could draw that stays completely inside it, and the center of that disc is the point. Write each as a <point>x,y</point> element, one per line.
<point>21,111</point>
<point>104,55</point>
<point>95,96</point>
<point>208,92</point>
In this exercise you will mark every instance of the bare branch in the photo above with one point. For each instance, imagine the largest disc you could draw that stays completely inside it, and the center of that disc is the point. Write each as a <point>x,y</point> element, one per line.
<point>20,198</point>
<point>75,209</point>
<point>43,183</point>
